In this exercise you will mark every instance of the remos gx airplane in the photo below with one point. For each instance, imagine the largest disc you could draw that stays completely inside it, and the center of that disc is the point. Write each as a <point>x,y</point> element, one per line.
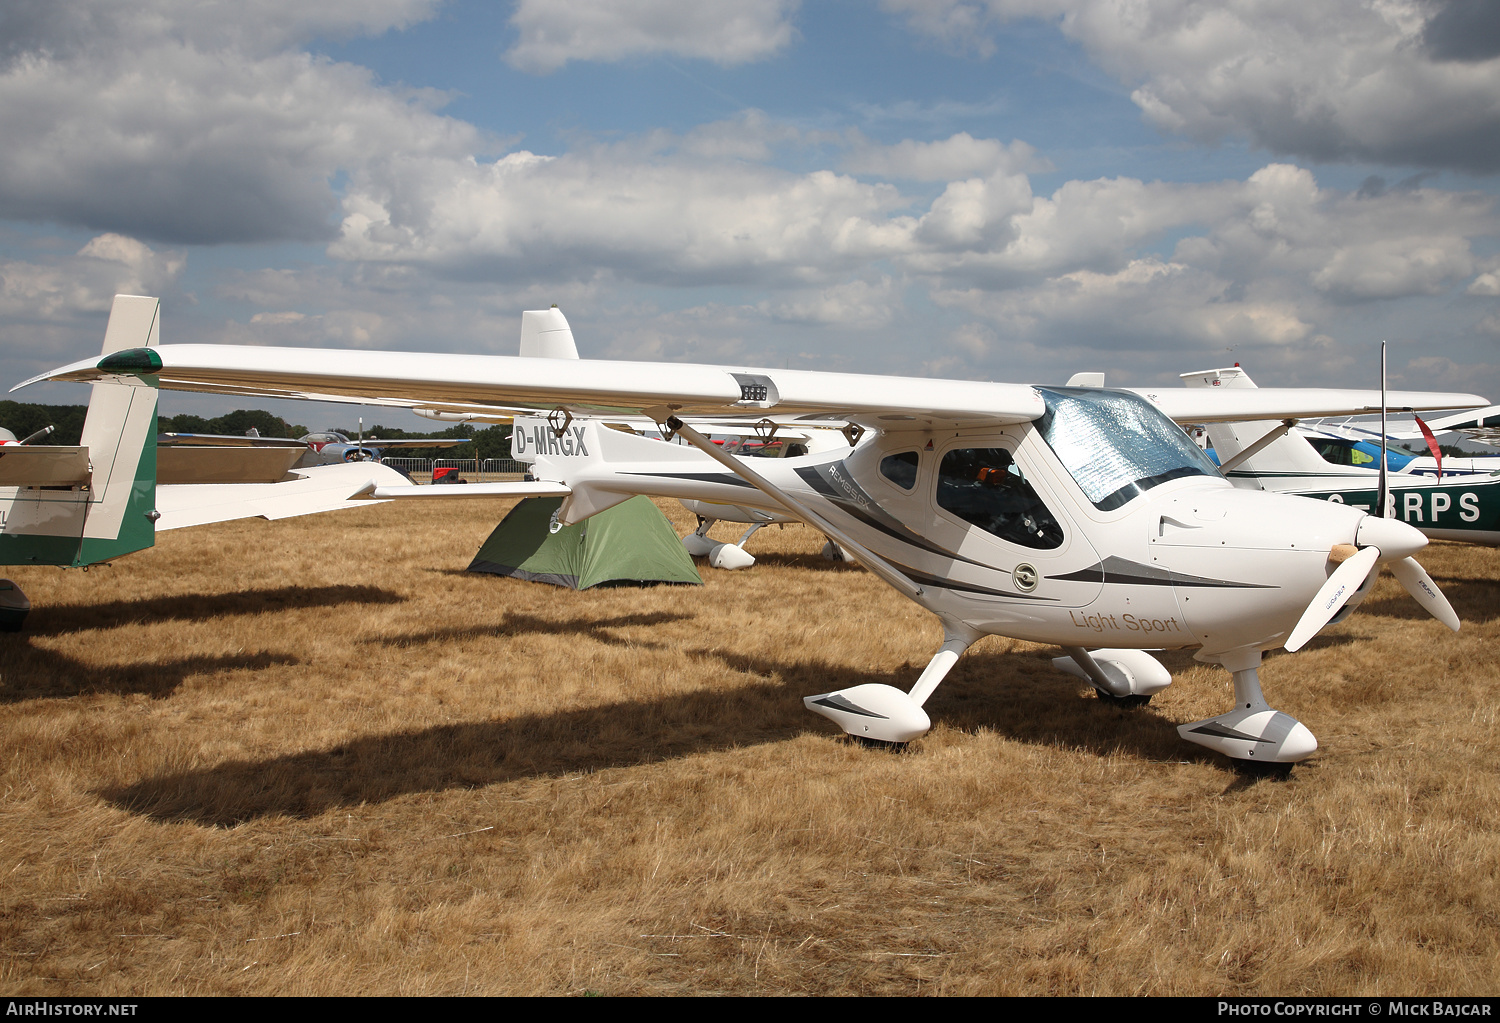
<point>1075,516</point>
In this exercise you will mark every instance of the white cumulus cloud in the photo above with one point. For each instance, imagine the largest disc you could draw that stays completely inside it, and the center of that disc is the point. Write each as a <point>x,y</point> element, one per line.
<point>552,33</point>
<point>1389,81</point>
<point>179,124</point>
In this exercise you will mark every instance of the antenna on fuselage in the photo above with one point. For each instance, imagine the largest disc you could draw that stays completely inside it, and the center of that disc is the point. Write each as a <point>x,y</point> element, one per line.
<point>1383,440</point>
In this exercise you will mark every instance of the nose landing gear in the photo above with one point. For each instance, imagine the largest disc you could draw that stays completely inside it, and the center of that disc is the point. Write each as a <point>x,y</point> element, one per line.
<point>1252,731</point>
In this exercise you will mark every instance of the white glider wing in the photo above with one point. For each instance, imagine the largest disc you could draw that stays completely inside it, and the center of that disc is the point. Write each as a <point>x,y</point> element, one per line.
<point>1233,405</point>
<point>476,383</point>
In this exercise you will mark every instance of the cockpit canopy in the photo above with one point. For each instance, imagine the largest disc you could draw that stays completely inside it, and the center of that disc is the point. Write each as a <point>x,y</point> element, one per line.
<point>1117,445</point>
<point>326,437</point>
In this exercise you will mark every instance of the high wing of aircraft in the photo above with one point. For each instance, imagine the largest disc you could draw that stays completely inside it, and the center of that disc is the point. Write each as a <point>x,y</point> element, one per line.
<point>1462,506</point>
<point>1075,516</point>
<point>1482,425</point>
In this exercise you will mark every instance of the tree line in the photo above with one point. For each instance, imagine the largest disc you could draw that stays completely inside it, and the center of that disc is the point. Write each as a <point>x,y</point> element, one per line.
<point>24,419</point>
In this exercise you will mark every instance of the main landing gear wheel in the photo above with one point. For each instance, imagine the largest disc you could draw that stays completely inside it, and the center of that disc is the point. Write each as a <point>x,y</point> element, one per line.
<point>1262,769</point>
<point>1121,702</point>
<point>880,744</point>
<point>1121,678</point>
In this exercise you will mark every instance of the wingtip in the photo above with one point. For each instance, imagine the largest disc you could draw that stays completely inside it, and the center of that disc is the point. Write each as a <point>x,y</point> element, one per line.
<point>27,383</point>
<point>84,370</point>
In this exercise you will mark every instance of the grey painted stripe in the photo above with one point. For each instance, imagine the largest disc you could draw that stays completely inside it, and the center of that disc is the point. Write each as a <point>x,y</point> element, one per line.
<point>727,478</point>
<point>1115,569</point>
<point>872,515</point>
<point>1223,732</point>
<point>838,702</point>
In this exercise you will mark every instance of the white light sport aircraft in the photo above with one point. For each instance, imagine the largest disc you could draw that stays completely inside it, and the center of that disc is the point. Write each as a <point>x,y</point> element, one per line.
<point>329,447</point>
<point>1066,515</point>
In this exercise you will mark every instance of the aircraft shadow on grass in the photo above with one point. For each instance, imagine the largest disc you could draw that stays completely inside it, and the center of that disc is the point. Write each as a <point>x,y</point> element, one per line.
<point>1475,601</point>
<point>1019,696</point>
<point>32,673</point>
<point>516,624</point>
<point>55,620</point>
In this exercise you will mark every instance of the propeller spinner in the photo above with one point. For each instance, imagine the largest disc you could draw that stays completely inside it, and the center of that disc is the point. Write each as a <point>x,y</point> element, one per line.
<point>1379,542</point>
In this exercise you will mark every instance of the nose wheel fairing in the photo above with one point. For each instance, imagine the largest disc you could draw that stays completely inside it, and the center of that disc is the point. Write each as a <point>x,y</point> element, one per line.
<point>1252,730</point>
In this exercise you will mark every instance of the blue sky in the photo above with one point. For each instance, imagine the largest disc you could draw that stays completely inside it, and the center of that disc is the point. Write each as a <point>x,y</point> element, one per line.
<point>1001,189</point>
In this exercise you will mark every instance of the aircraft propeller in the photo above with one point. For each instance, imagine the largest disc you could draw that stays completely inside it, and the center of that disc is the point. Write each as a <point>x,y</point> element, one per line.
<point>1379,541</point>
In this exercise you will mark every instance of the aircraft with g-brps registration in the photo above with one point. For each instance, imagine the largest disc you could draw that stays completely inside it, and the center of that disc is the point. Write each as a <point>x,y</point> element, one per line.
<point>1462,506</point>
<point>1072,515</point>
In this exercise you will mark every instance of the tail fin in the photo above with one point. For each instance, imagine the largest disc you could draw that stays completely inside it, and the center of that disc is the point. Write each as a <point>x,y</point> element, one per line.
<point>1289,454</point>
<point>545,334</point>
<point>110,510</point>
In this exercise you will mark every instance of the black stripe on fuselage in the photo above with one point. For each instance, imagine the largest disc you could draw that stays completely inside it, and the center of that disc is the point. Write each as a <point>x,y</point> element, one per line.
<point>726,478</point>
<point>910,539</point>
<point>813,478</point>
<point>1120,570</point>
<point>939,582</point>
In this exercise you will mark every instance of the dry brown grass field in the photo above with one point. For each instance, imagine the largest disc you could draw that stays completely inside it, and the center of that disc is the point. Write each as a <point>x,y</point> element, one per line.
<point>317,757</point>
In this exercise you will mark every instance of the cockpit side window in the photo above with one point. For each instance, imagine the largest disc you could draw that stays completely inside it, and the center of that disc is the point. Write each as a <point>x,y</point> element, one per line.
<point>1342,453</point>
<point>900,469</point>
<point>985,487</point>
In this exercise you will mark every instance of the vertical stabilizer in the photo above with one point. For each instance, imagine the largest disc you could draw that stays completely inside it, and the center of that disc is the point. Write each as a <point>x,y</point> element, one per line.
<point>1289,454</point>
<point>545,334</point>
<point>112,513</point>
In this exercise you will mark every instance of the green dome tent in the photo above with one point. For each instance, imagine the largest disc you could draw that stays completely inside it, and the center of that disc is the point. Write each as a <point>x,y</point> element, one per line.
<point>631,544</point>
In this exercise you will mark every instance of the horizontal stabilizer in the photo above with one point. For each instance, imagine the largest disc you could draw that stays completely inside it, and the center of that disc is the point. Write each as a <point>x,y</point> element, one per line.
<point>441,491</point>
<point>43,466</point>
<point>224,465</point>
<point>317,489</point>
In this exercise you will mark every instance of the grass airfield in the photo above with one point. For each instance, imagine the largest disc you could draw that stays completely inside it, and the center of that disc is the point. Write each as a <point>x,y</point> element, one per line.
<point>317,757</point>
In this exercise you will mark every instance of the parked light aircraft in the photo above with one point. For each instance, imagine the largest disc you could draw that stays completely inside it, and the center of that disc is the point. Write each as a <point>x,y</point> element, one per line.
<point>1463,506</point>
<point>1070,515</point>
<point>329,447</point>
<point>1351,442</point>
<point>81,505</point>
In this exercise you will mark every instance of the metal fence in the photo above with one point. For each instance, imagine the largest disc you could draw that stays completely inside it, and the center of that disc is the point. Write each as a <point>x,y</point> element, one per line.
<point>488,470</point>
<point>410,466</point>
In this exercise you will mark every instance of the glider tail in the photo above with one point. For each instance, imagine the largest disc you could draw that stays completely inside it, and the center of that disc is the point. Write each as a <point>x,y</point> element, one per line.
<point>1287,452</point>
<point>79,506</point>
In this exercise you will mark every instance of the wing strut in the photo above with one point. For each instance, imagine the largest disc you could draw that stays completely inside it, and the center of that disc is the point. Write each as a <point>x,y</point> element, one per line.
<point>874,562</point>
<point>1254,449</point>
